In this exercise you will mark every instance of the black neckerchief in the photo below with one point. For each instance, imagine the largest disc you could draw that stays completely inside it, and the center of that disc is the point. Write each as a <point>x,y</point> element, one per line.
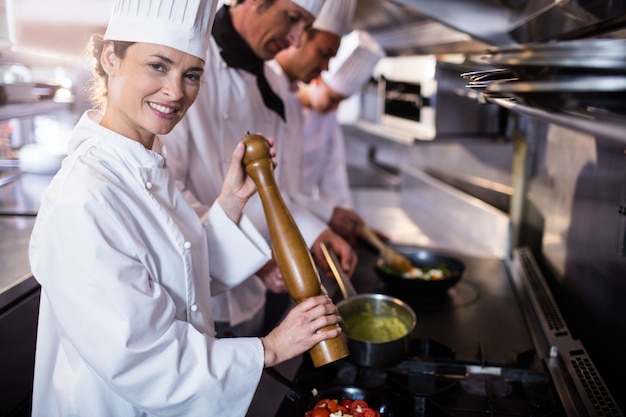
<point>237,54</point>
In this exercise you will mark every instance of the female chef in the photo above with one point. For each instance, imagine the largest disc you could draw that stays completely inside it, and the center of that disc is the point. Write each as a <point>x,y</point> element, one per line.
<point>125,325</point>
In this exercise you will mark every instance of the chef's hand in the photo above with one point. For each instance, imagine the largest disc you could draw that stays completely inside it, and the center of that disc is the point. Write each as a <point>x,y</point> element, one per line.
<point>238,187</point>
<point>345,254</point>
<point>300,330</point>
<point>272,277</point>
<point>345,222</point>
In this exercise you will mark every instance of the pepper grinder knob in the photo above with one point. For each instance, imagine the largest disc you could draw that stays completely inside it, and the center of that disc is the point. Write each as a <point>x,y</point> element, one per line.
<point>292,254</point>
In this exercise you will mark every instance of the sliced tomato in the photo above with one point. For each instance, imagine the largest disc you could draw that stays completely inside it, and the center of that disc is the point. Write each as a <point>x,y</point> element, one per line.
<point>369,412</point>
<point>332,405</point>
<point>356,404</point>
<point>346,402</point>
<point>320,412</point>
<point>344,410</point>
<point>323,403</point>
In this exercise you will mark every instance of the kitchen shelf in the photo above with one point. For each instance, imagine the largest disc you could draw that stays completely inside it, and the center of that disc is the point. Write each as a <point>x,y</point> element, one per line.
<point>10,111</point>
<point>614,130</point>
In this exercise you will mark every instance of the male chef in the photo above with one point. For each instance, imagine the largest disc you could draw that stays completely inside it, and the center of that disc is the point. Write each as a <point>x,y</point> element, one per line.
<point>238,97</point>
<point>324,179</point>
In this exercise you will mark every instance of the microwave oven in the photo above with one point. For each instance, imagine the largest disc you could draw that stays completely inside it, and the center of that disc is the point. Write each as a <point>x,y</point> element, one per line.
<point>428,98</point>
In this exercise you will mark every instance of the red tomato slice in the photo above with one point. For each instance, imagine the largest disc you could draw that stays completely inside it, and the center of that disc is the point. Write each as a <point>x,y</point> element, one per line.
<point>369,412</point>
<point>358,403</point>
<point>320,412</point>
<point>332,405</point>
<point>346,403</point>
<point>323,403</point>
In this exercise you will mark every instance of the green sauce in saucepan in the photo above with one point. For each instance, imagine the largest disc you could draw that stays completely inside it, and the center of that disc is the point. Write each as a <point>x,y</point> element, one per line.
<point>367,327</point>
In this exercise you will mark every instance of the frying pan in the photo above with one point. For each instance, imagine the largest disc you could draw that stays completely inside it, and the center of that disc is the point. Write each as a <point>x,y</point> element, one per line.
<point>422,258</point>
<point>307,398</point>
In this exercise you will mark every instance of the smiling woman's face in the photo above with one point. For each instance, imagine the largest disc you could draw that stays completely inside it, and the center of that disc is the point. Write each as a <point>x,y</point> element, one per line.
<point>149,90</point>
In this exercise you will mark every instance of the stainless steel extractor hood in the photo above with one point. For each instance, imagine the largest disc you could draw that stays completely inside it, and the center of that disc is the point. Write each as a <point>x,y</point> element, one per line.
<point>405,27</point>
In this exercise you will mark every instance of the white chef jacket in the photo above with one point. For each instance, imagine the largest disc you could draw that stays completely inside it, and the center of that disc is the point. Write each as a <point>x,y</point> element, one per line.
<point>125,325</point>
<point>199,150</point>
<point>324,181</point>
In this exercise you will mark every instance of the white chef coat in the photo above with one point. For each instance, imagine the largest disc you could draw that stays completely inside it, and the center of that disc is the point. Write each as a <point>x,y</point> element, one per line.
<point>324,181</point>
<point>125,325</point>
<point>199,151</point>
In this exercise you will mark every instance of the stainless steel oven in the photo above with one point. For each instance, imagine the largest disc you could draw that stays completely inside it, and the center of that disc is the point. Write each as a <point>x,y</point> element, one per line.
<point>421,96</point>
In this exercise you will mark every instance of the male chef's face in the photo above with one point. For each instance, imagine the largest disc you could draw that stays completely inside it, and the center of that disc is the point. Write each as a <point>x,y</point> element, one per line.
<point>311,58</point>
<point>275,26</point>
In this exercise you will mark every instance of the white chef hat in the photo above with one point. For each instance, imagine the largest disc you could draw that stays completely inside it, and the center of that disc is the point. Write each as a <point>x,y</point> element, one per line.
<point>353,65</point>
<point>335,16</point>
<point>312,6</point>
<point>181,24</point>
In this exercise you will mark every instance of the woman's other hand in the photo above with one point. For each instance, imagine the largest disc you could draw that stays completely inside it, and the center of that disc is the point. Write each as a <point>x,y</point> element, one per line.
<point>300,330</point>
<point>238,187</point>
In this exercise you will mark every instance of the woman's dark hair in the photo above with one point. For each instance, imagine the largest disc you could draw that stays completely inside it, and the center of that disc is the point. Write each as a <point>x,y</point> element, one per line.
<point>97,87</point>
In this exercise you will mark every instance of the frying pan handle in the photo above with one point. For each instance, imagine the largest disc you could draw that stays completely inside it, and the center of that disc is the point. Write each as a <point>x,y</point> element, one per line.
<point>346,287</point>
<point>372,238</point>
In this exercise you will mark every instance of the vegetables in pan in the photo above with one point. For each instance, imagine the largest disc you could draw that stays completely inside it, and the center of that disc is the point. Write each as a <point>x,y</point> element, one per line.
<point>327,407</point>
<point>425,273</point>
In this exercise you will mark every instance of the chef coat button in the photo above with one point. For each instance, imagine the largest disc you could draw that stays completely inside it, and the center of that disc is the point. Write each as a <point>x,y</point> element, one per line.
<point>194,307</point>
<point>148,185</point>
<point>187,245</point>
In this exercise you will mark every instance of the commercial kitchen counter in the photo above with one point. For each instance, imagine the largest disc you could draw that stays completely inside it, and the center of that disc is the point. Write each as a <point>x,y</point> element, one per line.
<point>20,195</point>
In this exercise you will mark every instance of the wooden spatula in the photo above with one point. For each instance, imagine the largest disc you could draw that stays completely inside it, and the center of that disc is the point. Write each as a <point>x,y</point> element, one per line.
<point>391,258</point>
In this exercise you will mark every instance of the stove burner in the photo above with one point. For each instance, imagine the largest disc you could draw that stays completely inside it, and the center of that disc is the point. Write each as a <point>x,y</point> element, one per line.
<point>486,386</point>
<point>365,377</point>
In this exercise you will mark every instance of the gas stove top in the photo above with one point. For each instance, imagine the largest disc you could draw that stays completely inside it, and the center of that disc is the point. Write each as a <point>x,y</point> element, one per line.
<point>431,382</point>
<point>494,344</point>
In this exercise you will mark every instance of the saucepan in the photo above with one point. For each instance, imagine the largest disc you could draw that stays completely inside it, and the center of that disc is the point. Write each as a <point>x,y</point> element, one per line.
<point>438,271</point>
<point>307,398</point>
<point>378,327</point>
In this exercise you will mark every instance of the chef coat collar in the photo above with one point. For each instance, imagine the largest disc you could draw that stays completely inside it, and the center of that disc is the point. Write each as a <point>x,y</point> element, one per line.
<point>89,127</point>
<point>238,54</point>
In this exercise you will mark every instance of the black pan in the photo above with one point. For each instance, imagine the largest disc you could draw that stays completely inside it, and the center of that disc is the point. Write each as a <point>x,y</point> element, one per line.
<point>307,398</point>
<point>421,258</point>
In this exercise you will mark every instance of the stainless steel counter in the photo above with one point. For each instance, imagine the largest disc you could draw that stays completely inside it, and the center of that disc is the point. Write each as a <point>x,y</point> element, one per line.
<point>15,277</point>
<point>19,202</point>
<point>20,196</point>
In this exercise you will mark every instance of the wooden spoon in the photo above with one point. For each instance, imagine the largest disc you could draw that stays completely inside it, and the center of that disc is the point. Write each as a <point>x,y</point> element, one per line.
<point>391,258</point>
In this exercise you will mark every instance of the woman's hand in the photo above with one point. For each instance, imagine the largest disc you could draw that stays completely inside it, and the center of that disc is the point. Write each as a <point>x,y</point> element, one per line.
<point>300,330</point>
<point>238,187</point>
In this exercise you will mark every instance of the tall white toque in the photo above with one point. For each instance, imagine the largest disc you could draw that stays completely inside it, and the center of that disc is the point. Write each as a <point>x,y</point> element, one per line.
<point>354,63</point>
<point>336,16</point>
<point>311,6</point>
<point>181,24</point>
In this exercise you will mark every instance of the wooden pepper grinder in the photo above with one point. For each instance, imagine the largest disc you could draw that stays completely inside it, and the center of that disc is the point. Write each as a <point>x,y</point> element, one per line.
<point>293,256</point>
